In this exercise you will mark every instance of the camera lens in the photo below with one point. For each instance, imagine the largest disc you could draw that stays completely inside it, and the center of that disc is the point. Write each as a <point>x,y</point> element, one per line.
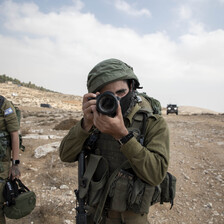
<point>107,104</point>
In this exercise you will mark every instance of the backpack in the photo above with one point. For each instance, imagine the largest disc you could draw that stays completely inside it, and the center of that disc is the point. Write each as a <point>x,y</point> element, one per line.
<point>166,190</point>
<point>18,115</point>
<point>155,104</point>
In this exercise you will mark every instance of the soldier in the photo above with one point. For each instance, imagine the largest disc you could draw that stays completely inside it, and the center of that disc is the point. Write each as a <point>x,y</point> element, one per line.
<point>130,153</point>
<point>9,147</point>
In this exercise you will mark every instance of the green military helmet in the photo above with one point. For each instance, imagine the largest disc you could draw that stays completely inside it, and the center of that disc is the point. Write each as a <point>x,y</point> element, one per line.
<point>109,71</point>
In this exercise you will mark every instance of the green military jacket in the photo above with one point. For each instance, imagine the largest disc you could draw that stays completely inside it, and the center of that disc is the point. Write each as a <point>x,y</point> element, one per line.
<point>8,124</point>
<point>8,118</point>
<point>149,162</point>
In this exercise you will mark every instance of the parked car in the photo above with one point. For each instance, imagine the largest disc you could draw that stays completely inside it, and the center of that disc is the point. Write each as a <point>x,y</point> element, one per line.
<point>45,105</point>
<point>172,109</point>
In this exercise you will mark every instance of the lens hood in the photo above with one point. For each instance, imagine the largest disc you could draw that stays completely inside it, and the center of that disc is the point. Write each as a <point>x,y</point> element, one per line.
<point>107,104</point>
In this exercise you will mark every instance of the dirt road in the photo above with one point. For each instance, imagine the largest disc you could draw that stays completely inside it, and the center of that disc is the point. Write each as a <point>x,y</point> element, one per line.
<point>197,155</point>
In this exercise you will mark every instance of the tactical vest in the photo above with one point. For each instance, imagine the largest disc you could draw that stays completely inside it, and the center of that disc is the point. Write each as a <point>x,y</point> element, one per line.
<point>109,148</point>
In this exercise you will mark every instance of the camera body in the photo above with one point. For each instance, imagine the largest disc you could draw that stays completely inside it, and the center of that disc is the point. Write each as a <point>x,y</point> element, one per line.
<point>107,103</point>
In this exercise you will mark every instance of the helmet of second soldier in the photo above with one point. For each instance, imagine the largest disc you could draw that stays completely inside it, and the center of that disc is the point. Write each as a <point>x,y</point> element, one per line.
<point>109,71</point>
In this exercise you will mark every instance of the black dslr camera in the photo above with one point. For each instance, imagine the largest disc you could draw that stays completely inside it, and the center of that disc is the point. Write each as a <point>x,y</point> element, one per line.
<point>107,103</point>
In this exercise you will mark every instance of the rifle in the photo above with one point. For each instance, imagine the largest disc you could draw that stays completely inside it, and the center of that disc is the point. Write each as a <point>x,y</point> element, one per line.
<point>81,216</point>
<point>90,144</point>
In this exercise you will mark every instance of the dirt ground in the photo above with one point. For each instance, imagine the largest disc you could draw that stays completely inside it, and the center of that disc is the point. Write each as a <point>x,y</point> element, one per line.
<point>197,155</point>
<point>197,144</point>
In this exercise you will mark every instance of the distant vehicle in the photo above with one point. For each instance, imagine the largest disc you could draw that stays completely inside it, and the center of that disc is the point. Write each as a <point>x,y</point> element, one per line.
<point>172,109</point>
<point>45,105</point>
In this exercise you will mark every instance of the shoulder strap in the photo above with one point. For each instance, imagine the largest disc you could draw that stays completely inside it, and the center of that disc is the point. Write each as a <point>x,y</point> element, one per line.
<point>139,125</point>
<point>143,129</point>
<point>2,99</point>
<point>149,107</point>
<point>93,163</point>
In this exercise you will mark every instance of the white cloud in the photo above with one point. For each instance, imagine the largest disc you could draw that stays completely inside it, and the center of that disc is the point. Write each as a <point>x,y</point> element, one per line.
<point>184,12</point>
<point>78,4</point>
<point>186,21</point>
<point>57,50</point>
<point>205,53</point>
<point>130,10</point>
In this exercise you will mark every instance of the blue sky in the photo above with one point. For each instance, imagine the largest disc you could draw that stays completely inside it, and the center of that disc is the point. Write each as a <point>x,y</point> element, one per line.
<point>176,47</point>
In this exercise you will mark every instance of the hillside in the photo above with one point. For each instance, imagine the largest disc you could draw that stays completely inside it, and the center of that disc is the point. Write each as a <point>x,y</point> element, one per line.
<point>196,140</point>
<point>32,98</point>
<point>7,79</point>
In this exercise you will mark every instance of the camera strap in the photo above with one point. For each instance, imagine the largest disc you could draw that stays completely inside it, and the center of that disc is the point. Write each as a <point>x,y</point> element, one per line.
<point>91,141</point>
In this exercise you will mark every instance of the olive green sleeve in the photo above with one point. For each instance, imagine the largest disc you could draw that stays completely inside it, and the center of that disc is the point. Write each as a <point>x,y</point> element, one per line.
<point>11,121</point>
<point>150,163</point>
<point>72,143</point>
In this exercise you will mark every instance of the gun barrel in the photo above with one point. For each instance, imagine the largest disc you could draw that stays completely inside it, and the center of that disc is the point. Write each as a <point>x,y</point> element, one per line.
<point>81,167</point>
<point>81,216</point>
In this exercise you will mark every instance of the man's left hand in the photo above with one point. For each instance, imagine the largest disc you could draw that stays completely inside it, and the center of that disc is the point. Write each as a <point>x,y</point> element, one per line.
<point>14,172</point>
<point>113,126</point>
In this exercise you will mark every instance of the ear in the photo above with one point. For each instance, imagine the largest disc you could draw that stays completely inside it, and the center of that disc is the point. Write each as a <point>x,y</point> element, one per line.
<point>132,85</point>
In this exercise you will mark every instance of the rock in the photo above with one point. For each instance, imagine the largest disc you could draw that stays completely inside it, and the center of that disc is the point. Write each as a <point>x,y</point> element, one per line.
<point>215,213</point>
<point>33,136</point>
<point>209,205</point>
<point>64,187</point>
<point>219,178</point>
<point>186,177</point>
<point>45,149</point>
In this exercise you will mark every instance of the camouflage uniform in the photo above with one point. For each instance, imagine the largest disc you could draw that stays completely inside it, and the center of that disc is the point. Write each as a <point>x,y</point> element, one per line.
<point>8,124</point>
<point>149,162</point>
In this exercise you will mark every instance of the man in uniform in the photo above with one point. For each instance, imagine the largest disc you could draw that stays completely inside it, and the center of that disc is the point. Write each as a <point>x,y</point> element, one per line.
<point>9,147</point>
<point>144,156</point>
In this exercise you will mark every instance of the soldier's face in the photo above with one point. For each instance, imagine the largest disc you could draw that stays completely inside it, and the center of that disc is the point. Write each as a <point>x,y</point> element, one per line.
<point>118,88</point>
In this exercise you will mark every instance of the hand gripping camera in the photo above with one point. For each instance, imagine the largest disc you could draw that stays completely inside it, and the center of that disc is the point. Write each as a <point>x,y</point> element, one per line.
<point>107,103</point>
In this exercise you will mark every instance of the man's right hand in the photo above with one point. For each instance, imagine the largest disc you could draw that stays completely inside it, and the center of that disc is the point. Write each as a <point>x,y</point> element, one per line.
<point>87,107</point>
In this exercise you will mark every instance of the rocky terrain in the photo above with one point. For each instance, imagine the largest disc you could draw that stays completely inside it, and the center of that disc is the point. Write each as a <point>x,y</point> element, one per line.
<point>197,145</point>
